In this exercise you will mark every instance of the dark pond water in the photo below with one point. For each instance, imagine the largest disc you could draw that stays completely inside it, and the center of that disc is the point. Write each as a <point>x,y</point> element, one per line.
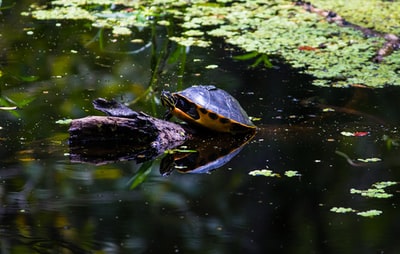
<point>53,71</point>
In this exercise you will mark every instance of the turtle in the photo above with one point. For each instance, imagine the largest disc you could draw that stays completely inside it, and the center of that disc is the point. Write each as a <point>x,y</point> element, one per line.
<point>209,107</point>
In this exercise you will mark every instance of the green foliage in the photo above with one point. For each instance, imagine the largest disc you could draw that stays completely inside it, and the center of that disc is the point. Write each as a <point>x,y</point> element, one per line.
<point>270,173</point>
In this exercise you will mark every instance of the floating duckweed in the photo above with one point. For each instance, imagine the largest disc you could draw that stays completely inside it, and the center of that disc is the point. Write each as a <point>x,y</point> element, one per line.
<point>118,30</point>
<point>334,56</point>
<point>68,12</point>
<point>371,14</point>
<point>64,121</point>
<point>83,2</point>
<point>264,172</point>
<point>371,193</point>
<point>370,213</point>
<point>381,185</point>
<point>270,173</point>
<point>376,192</point>
<point>292,173</point>
<point>342,210</point>
<point>191,41</point>
<point>193,33</point>
<point>211,66</point>
<point>163,23</point>
<point>369,160</point>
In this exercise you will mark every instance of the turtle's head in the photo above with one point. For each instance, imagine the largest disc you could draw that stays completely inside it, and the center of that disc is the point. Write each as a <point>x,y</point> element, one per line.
<point>167,99</point>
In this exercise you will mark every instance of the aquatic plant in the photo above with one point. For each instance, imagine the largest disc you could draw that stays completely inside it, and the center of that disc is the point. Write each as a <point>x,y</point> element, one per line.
<point>333,55</point>
<point>377,190</point>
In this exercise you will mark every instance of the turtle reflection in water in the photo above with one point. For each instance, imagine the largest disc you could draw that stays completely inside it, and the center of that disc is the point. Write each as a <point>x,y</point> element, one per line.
<point>213,109</point>
<point>208,107</point>
<point>204,155</point>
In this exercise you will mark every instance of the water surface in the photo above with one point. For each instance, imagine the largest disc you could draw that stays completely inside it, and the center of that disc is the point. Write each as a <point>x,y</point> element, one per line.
<point>53,70</point>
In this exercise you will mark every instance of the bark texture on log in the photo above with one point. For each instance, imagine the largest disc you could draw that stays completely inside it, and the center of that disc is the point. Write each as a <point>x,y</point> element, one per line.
<point>101,139</point>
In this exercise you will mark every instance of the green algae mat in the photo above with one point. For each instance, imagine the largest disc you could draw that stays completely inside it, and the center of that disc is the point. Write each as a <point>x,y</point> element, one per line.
<point>268,31</point>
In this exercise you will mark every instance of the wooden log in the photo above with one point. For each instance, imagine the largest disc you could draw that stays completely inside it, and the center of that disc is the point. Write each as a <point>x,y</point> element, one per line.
<point>102,139</point>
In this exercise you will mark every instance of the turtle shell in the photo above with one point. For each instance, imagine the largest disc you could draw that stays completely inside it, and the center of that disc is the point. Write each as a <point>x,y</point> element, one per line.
<point>209,107</point>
